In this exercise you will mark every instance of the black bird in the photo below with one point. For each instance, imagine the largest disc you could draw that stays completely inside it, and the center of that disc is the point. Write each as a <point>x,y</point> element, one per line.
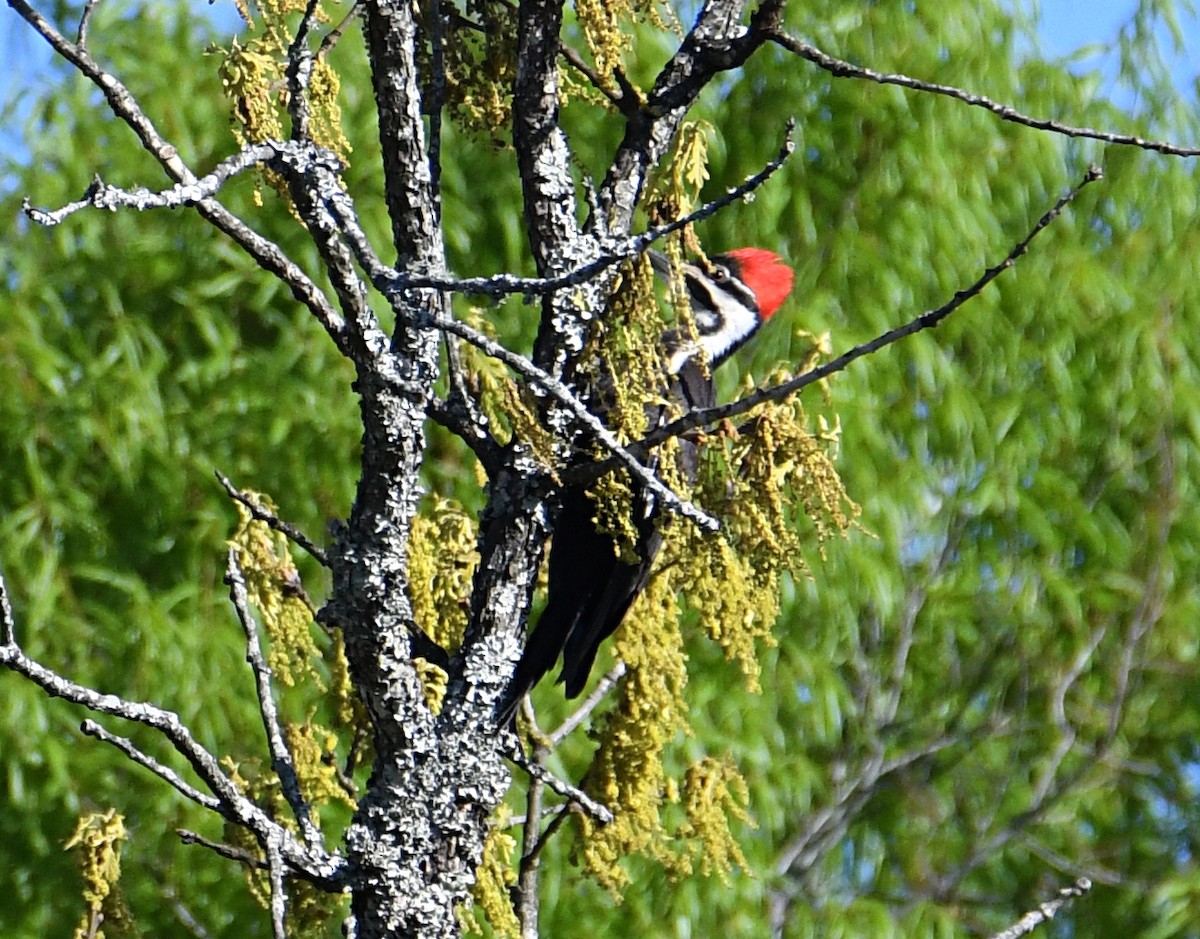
<point>591,587</point>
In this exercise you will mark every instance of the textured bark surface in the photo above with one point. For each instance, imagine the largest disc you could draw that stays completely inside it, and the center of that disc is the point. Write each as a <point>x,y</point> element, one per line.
<point>417,837</point>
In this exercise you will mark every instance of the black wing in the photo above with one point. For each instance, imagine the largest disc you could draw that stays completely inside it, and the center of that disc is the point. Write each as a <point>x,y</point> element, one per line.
<point>591,587</point>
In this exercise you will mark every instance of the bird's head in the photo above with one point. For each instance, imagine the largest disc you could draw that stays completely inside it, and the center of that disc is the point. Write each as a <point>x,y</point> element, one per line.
<point>734,296</point>
<point>769,279</point>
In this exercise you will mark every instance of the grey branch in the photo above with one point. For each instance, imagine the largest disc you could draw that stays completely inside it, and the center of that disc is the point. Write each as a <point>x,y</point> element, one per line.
<point>543,156</point>
<point>1046,911</point>
<point>299,73</point>
<point>383,278</point>
<point>281,757</point>
<point>584,711</point>
<point>275,872</point>
<point>502,285</point>
<point>85,22</point>
<point>8,627</point>
<point>288,530</point>
<point>307,158</point>
<point>843,69</point>
<point>165,773</point>
<point>314,864</point>
<point>580,413</point>
<point>716,43</point>
<point>269,256</point>
<point>600,813</point>
<point>227,851</point>
<point>284,154</point>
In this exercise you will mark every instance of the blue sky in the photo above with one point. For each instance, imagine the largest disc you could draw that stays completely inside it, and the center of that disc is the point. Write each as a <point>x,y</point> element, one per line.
<point>1071,25</point>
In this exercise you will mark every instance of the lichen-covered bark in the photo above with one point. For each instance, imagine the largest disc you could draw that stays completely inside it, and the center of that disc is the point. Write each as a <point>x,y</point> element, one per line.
<point>716,42</point>
<point>420,828</point>
<point>418,834</point>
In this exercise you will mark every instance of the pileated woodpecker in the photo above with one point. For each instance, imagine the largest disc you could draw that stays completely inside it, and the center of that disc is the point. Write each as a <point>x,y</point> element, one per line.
<point>591,586</point>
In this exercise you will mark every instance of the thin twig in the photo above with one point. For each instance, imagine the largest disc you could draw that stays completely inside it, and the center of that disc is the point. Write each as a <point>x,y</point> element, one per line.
<point>843,69</point>
<point>165,773</point>
<point>281,757</point>
<point>275,871</point>
<point>297,156</point>
<point>502,285</point>
<point>618,98</point>
<point>1046,911</point>
<point>581,713</point>
<point>567,52</point>
<point>1069,866</point>
<point>259,513</point>
<point>227,851</point>
<point>85,21</point>
<point>299,73</point>
<point>561,814</point>
<point>528,895</point>
<point>292,157</point>
<point>557,390</point>
<point>8,626</point>
<point>334,35</point>
<point>574,794</point>
<point>268,255</point>
<point>166,722</point>
<point>317,865</point>
<point>461,414</point>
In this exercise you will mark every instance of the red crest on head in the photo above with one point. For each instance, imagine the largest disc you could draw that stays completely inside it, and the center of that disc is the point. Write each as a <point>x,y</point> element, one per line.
<point>765,273</point>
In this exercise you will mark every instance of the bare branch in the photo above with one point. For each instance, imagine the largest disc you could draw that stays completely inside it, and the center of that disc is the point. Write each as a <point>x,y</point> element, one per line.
<point>599,812</point>
<point>265,253</point>
<point>502,285</point>
<point>1046,911</point>
<point>85,21</point>
<point>580,413</point>
<point>528,869</point>
<point>710,416</point>
<point>460,416</point>
<point>288,530</point>
<point>165,773</point>
<point>391,30</point>
<point>302,158</point>
<point>316,865</point>
<point>294,157</point>
<point>8,626</point>
<point>618,98</point>
<point>334,35</point>
<point>299,73</point>
<point>275,872</point>
<point>584,711</point>
<point>281,757</point>
<point>843,69</point>
<point>543,157</point>
<point>716,43</point>
<point>1066,865</point>
<point>560,815</point>
<point>228,851</point>
<point>166,722</point>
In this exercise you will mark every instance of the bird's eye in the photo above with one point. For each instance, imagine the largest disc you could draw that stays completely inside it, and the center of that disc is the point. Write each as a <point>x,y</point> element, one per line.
<point>720,273</point>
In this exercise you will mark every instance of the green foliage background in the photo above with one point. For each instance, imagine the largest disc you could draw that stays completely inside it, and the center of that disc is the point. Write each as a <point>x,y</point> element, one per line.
<point>1026,472</point>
